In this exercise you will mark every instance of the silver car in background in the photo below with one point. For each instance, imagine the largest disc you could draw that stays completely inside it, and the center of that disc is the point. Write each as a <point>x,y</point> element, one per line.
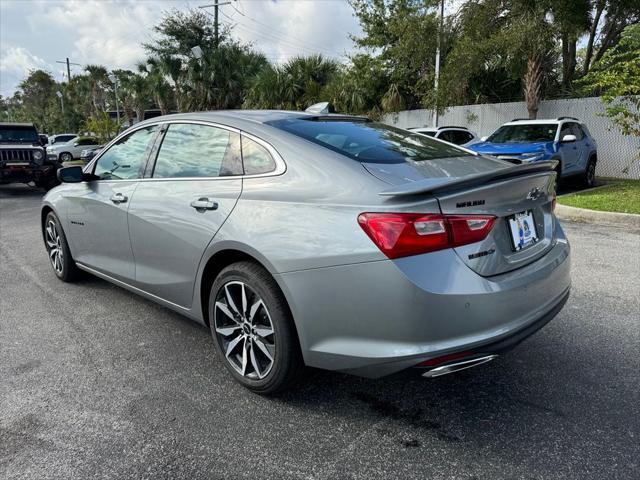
<point>322,240</point>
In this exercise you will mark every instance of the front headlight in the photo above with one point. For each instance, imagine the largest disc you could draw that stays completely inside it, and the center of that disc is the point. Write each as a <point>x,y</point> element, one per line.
<point>37,155</point>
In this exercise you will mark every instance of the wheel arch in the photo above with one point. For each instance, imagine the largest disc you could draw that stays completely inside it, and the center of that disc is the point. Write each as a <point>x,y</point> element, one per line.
<point>222,258</point>
<point>46,209</point>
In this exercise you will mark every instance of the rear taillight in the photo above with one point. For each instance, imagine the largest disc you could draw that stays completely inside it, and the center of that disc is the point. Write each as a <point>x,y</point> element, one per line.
<point>403,234</point>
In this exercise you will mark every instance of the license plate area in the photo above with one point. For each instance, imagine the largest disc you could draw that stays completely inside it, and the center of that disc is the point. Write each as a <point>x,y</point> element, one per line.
<point>523,230</point>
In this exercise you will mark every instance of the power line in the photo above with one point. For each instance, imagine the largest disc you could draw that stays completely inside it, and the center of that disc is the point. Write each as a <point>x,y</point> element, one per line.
<point>309,44</point>
<point>215,17</point>
<point>68,67</point>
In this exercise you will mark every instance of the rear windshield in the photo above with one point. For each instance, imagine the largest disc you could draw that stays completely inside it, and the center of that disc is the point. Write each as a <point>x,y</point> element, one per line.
<point>369,142</point>
<point>10,134</point>
<point>537,132</point>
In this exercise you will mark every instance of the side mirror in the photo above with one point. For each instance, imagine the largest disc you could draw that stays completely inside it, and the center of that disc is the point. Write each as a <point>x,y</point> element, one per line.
<point>568,139</point>
<point>483,139</point>
<point>72,174</point>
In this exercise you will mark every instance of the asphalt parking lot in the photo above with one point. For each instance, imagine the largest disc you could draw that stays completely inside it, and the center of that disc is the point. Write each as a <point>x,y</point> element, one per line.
<point>96,382</point>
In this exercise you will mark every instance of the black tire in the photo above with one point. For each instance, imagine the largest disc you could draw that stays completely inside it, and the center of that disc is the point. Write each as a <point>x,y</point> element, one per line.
<point>286,364</point>
<point>65,157</point>
<point>65,268</point>
<point>589,176</point>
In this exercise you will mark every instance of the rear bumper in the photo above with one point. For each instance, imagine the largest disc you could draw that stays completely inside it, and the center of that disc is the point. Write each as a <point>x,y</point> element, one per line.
<point>377,318</point>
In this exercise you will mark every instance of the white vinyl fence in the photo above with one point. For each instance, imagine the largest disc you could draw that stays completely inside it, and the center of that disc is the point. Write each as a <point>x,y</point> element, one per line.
<point>618,155</point>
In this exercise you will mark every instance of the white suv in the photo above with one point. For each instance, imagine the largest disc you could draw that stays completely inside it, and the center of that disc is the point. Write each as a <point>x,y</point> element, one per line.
<point>456,135</point>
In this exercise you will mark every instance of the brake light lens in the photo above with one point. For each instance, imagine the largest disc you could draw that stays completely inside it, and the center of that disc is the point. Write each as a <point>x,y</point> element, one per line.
<point>404,234</point>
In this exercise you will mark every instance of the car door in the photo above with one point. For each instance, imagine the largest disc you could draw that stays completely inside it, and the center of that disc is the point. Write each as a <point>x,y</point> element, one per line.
<point>568,150</point>
<point>177,210</point>
<point>97,213</point>
<point>582,148</point>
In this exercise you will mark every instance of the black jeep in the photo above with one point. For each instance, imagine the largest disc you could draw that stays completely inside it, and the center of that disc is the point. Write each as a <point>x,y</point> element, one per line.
<point>23,158</point>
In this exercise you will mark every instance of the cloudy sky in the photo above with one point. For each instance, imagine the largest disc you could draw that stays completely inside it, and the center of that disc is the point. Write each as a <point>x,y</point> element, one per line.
<point>37,33</point>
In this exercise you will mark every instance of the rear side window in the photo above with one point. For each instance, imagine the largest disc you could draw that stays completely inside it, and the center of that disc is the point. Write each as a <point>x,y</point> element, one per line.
<point>369,142</point>
<point>460,137</point>
<point>256,158</point>
<point>191,150</point>
<point>63,138</point>
<point>126,159</point>
<point>448,136</point>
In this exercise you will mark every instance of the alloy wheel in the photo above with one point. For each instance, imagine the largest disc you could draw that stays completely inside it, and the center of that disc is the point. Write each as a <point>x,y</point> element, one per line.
<point>244,329</point>
<point>54,246</point>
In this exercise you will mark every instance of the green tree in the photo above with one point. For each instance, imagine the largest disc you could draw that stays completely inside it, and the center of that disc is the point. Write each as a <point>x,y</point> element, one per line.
<point>616,76</point>
<point>402,36</point>
<point>102,126</point>
<point>36,102</point>
<point>295,85</point>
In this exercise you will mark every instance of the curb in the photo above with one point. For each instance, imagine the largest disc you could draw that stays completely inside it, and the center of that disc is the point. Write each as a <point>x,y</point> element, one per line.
<point>575,214</point>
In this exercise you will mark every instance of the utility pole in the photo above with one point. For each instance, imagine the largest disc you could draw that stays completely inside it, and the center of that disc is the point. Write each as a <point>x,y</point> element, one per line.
<point>114,79</point>
<point>437,76</point>
<point>215,18</point>
<point>68,67</point>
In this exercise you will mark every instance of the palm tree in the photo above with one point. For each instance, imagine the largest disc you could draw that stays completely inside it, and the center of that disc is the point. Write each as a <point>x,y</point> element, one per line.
<point>295,85</point>
<point>98,81</point>
<point>159,88</point>
<point>136,89</point>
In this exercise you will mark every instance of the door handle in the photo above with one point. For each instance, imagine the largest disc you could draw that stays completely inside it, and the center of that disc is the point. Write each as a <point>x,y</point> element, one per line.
<point>203,204</point>
<point>118,198</point>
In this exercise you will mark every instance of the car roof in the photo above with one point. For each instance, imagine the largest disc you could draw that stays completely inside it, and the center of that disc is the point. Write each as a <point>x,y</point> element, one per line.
<point>557,121</point>
<point>422,129</point>
<point>254,116</point>
<point>17,124</point>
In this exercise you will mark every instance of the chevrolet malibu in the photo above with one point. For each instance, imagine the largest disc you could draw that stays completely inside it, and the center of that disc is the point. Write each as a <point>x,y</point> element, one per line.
<point>319,240</point>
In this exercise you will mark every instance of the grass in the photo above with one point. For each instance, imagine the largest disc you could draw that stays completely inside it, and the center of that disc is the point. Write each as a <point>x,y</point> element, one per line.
<point>622,196</point>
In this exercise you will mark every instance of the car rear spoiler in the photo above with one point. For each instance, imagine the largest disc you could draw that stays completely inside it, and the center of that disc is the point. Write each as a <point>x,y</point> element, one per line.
<point>433,185</point>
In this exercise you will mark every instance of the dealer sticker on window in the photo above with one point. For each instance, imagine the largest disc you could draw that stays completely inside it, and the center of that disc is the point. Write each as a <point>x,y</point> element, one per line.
<point>523,230</point>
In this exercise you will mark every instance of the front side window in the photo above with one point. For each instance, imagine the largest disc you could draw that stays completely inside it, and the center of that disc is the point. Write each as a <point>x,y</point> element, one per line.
<point>369,142</point>
<point>257,159</point>
<point>192,150</point>
<point>566,130</point>
<point>532,132</point>
<point>125,159</point>
<point>577,131</point>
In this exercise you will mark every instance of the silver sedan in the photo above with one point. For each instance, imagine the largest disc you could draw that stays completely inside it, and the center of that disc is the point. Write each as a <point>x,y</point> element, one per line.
<point>318,240</point>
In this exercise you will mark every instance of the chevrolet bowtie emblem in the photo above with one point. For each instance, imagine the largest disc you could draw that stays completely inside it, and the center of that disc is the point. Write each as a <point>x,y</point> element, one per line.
<point>534,194</point>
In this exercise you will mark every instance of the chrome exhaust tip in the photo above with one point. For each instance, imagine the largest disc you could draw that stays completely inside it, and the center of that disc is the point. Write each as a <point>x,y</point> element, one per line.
<point>457,366</point>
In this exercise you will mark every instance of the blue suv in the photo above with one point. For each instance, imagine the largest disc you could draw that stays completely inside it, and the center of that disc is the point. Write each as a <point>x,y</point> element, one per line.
<point>564,139</point>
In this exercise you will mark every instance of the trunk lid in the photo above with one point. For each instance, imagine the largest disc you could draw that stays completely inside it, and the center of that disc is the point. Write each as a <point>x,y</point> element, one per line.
<point>488,187</point>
